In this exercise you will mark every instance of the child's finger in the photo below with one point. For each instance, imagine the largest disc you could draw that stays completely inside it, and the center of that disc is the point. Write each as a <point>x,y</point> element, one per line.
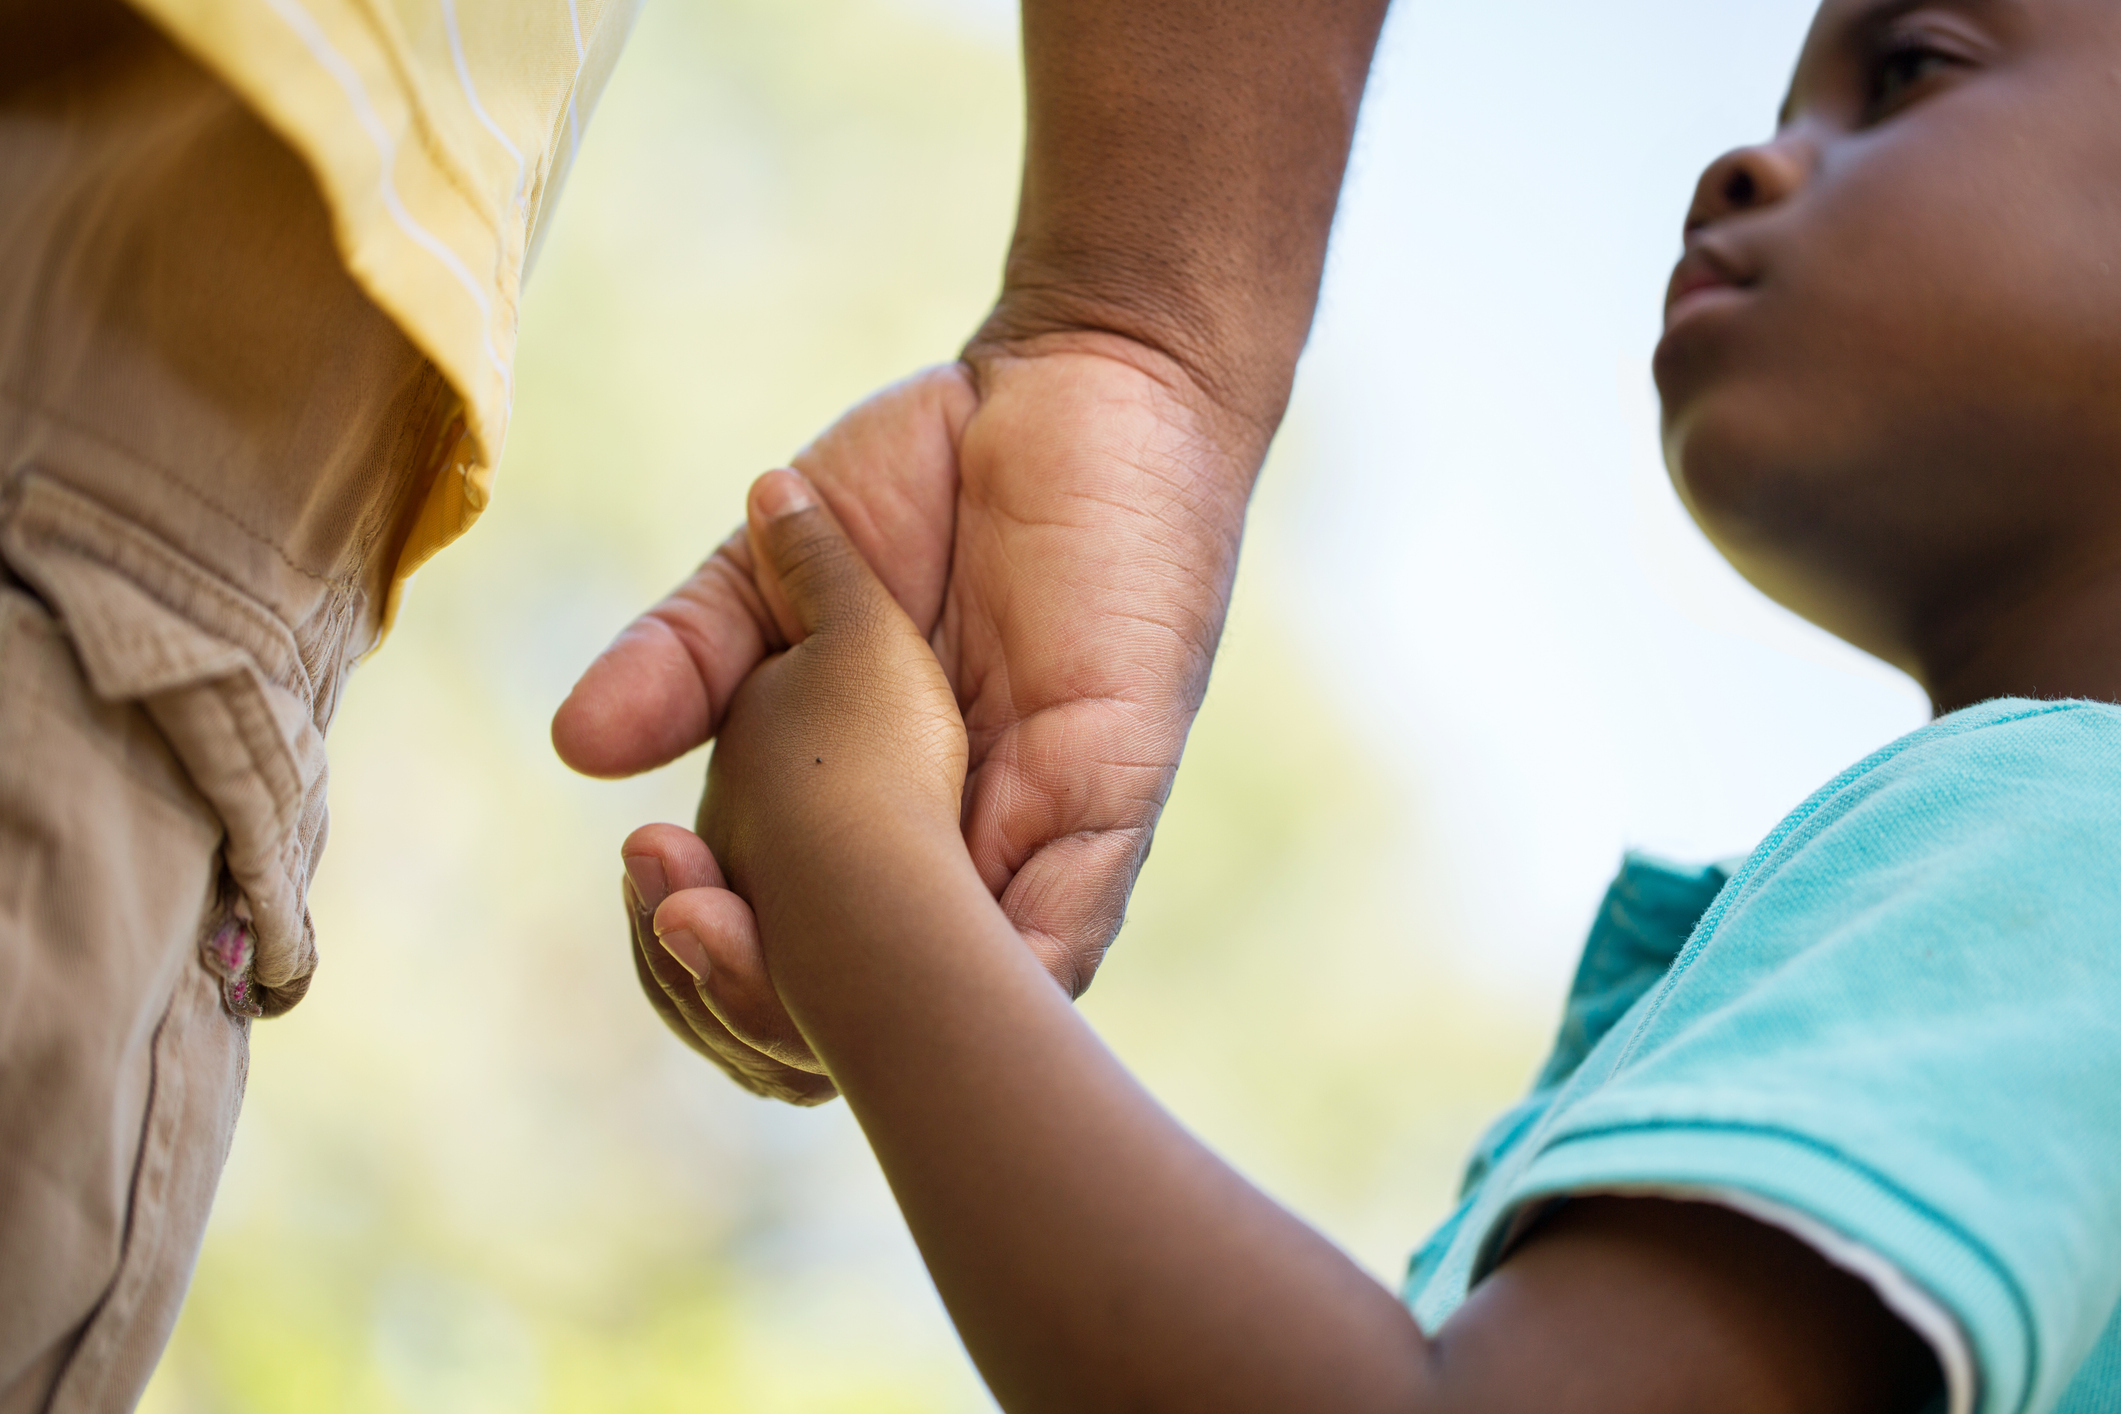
<point>714,935</point>
<point>809,571</point>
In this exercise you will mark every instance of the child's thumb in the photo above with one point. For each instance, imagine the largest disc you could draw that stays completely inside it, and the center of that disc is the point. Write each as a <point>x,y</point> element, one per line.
<point>808,570</point>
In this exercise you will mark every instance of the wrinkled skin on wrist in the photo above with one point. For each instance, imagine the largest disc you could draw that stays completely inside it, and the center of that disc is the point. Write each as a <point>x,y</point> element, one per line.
<point>1060,518</point>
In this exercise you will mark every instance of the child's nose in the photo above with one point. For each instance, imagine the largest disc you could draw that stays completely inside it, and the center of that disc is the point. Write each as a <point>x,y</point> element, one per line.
<point>1749,179</point>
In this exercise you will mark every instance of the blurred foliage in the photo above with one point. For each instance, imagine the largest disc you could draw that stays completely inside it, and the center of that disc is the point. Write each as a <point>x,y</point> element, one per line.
<point>473,1173</point>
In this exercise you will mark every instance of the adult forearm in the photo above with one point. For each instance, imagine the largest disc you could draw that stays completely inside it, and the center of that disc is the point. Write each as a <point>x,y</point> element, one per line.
<point>1182,166</point>
<point>1092,1253</point>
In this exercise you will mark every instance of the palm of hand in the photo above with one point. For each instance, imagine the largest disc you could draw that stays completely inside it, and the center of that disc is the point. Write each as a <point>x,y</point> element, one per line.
<point>1087,591</point>
<point>1064,535</point>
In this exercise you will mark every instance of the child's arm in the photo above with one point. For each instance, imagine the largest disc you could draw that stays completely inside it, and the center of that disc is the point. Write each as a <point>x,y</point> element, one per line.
<point>1092,1253</point>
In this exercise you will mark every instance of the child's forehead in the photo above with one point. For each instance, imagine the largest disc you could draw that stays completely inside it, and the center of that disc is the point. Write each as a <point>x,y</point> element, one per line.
<point>1843,13</point>
<point>1839,21</point>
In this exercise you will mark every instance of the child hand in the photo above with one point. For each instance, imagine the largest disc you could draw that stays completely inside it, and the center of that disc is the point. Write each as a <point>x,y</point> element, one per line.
<point>842,760</point>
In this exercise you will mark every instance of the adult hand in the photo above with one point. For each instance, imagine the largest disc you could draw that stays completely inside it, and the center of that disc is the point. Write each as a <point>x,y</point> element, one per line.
<point>1060,512</point>
<point>1061,518</point>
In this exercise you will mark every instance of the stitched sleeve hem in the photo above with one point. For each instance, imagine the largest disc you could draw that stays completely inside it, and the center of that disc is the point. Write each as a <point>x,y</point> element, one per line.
<point>1791,1173</point>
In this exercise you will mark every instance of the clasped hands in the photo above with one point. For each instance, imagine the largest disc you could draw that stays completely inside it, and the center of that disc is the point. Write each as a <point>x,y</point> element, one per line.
<point>1059,524</point>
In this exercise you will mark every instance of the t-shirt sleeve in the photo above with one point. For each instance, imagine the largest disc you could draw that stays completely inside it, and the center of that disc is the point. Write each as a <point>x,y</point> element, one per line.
<point>1902,1022</point>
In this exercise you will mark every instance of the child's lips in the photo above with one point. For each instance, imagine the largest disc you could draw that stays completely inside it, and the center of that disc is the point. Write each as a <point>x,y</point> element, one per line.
<point>1698,298</point>
<point>1702,278</point>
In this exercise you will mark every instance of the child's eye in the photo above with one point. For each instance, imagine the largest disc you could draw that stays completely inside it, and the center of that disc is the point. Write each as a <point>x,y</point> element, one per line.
<point>1899,72</point>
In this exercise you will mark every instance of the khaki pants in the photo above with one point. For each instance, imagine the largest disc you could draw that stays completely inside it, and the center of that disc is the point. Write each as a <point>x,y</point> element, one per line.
<point>211,447</point>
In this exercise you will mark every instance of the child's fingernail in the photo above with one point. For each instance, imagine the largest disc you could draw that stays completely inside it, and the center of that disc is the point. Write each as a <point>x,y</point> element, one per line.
<point>684,945</point>
<point>650,885</point>
<point>782,493</point>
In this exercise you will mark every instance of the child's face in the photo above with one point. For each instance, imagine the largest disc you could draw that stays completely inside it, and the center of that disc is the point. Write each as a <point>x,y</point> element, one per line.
<point>1892,365</point>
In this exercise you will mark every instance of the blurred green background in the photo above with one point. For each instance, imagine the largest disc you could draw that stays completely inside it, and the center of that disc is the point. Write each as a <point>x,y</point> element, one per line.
<point>473,1172</point>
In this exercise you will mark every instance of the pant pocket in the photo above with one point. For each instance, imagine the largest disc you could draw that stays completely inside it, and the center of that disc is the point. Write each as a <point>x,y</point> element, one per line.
<point>222,680</point>
<point>120,1069</point>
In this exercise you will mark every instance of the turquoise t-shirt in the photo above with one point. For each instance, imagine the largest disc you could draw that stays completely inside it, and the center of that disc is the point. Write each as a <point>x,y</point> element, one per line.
<point>1896,1029</point>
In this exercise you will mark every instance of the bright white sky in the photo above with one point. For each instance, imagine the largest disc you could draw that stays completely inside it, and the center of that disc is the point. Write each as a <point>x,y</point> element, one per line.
<point>1504,580</point>
<point>1497,579</point>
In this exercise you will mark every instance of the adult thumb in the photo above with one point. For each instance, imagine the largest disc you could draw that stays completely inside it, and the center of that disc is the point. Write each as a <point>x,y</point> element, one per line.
<point>809,572</point>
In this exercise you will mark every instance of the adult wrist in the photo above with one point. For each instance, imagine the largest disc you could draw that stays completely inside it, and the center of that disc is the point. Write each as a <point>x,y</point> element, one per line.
<point>1235,389</point>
